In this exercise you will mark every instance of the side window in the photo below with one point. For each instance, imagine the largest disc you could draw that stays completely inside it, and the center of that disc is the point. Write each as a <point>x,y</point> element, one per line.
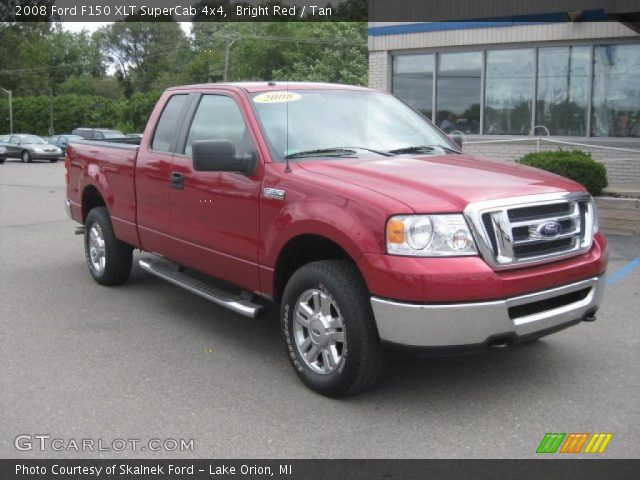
<point>167,125</point>
<point>15,140</point>
<point>219,118</point>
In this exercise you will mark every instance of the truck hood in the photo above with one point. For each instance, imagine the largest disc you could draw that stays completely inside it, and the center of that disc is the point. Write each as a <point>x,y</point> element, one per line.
<point>443,183</point>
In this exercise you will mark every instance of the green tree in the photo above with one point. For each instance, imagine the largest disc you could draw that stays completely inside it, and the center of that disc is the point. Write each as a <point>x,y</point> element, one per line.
<point>142,52</point>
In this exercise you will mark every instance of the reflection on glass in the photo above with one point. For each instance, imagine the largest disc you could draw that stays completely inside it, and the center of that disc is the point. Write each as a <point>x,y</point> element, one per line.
<point>508,92</point>
<point>616,91</point>
<point>458,92</point>
<point>413,81</point>
<point>563,90</point>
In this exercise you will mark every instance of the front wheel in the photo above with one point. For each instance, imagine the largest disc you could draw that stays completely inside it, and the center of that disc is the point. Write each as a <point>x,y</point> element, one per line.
<point>26,157</point>
<point>329,329</point>
<point>108,258</point>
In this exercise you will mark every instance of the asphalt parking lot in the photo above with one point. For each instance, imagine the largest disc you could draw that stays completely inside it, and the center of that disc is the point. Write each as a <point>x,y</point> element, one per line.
<point>149,360</point>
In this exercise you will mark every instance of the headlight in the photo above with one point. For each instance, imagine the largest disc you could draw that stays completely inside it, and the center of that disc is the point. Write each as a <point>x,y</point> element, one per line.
<point>38,150</point>
<point>429,236</point>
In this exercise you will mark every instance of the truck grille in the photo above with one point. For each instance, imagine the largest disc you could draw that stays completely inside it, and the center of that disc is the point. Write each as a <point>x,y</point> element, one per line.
<point>532,229</point>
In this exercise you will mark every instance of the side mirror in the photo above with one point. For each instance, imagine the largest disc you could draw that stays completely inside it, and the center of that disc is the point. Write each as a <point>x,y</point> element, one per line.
<point>220,156</point>
<point>457,139</point>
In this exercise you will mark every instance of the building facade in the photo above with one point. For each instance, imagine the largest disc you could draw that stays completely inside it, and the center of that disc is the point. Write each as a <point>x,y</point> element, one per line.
<point>577,82</point>
<point>571,79</point>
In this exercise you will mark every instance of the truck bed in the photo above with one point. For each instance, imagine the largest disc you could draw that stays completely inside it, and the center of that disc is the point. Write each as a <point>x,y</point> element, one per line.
<point>107,167</point>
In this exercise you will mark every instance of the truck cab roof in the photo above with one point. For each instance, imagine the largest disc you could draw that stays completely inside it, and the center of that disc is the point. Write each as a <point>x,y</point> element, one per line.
<point>253,87</point>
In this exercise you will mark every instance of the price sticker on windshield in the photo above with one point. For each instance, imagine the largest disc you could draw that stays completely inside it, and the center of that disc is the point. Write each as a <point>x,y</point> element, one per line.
<point>277,97</point>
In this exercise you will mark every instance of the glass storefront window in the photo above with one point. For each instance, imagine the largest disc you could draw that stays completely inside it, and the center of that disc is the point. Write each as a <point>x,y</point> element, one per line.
<point>508,92</point>
<point>413,81</point>
<point>563,90</point>
<point>458,92</point>
<point>562,100</point>
<point>616,91</point>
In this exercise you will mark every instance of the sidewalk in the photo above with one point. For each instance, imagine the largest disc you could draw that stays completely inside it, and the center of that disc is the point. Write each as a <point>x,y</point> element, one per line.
<point>631,190</point>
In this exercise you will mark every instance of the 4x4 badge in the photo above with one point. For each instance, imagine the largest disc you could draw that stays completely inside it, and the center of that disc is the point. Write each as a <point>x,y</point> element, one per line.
<point>276,193</point>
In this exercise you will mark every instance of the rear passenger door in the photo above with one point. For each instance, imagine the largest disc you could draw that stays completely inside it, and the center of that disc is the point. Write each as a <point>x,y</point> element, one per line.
<point>215,215</point>
<point>153,167</point>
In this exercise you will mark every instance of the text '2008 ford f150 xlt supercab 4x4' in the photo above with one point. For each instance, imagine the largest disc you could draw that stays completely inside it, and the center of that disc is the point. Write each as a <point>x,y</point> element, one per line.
<point>361,219</point>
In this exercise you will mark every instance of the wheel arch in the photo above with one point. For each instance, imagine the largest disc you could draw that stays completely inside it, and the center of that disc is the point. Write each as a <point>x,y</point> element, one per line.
<point>91,198</point>
<point>301,250</point>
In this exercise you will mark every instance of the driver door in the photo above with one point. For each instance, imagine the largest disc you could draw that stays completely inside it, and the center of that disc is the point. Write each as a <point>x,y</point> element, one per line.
<point>215,215</point>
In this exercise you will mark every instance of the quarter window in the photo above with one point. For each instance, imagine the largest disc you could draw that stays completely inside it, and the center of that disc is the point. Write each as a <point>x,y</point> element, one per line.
<point>168,123</point>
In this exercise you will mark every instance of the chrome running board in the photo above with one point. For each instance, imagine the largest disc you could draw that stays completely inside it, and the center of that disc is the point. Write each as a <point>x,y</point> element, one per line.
<point>238,303</point>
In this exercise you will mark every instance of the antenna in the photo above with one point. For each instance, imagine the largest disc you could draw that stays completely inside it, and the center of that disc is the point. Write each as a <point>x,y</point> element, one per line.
<point>287,169</point>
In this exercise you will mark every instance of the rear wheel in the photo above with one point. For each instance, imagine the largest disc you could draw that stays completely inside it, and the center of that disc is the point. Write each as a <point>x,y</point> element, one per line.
<point>329,329</point>
<point>26,157</point>
<point>108,258</point>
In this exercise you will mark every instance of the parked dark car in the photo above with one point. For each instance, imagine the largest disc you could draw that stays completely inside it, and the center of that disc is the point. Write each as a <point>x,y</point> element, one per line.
<point>30,147</point>
<point>61,141</point>
<point>3,154</point>
<point>97,133</point>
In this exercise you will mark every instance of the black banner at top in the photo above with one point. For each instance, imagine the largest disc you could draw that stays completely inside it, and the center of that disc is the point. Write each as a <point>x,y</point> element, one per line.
<point>319,10</point>
<point>184,10</point>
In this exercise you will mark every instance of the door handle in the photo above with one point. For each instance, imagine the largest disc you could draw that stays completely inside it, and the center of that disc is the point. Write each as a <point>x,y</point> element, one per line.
<point>177,180</point>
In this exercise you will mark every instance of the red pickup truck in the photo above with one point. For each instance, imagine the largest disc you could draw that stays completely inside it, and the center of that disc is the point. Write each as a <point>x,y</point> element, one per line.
<point>365,222</point>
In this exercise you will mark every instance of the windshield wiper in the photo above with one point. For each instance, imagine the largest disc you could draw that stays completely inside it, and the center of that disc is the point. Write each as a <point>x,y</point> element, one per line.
<point>420,149</point>
<point>334,152</point>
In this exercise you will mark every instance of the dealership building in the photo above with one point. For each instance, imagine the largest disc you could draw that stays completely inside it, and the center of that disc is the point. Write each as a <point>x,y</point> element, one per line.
<point>572,76</point>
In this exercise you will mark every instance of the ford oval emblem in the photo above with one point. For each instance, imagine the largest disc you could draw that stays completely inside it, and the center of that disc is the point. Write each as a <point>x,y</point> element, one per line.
<point>550,229</point>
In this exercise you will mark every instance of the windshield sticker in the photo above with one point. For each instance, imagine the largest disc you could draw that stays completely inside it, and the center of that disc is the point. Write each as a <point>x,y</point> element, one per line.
<point>277,97</point>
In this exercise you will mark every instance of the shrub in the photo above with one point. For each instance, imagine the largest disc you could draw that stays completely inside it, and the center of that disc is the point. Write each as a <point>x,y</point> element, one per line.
<point>576,165</point>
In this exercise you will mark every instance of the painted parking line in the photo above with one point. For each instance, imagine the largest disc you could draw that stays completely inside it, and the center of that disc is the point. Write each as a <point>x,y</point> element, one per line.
<point>623,271</point>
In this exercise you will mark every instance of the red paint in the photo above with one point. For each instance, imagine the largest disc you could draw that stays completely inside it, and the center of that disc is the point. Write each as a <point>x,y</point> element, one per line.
<point>221,225</point>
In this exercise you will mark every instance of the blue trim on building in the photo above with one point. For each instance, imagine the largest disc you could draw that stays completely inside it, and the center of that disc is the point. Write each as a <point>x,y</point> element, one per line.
<point>588,16</point>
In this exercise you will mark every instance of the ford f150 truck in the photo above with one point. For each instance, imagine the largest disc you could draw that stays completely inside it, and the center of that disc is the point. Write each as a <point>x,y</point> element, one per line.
<point>365,222</point>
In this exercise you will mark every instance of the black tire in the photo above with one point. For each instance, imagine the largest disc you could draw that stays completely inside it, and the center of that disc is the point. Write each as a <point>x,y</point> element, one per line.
<point>362,360</point>
<point>25,156</point>
<point>118,257</point>
<point>53,160</point>
<point>2,160</point>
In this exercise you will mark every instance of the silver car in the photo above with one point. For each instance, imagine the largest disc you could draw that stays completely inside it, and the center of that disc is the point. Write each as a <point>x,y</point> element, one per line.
<point>30,147</point>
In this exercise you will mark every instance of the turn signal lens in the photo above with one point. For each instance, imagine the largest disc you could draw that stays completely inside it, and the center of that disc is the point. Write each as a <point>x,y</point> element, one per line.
<point>395,231</point>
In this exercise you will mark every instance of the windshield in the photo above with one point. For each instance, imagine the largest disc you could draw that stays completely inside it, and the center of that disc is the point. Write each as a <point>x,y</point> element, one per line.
<point>112,134</point>
<point>30,139</point>
<point>341,123</point>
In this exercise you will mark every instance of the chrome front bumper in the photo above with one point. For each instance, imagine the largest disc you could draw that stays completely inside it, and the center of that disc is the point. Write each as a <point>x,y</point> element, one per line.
<point>477,323</point>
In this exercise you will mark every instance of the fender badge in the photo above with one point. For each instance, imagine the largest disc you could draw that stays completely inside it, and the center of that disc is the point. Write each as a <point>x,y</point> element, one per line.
<point>275,193</point>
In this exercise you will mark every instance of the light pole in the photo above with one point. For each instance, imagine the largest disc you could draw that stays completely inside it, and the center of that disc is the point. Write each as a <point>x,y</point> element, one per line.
<point>9,93</point>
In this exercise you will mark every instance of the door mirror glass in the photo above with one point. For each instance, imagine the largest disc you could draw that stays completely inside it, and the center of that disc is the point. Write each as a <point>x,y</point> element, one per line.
<point>220,156</point>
